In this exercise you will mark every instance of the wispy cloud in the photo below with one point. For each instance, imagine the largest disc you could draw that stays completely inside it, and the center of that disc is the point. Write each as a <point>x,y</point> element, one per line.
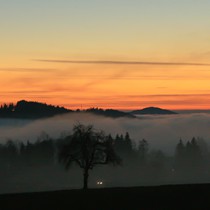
<point>114,76</point>
<point>27,70</point>
<point>122,62</point>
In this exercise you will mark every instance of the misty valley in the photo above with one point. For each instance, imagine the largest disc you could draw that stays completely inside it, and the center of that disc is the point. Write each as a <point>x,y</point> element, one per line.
<point>29,152</point>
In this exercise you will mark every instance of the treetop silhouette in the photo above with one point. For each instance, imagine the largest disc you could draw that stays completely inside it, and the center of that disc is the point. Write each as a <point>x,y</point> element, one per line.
<point>87,148</point>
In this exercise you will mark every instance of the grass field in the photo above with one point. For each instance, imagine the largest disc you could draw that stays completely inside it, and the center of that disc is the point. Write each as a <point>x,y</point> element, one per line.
<point>170,197</point>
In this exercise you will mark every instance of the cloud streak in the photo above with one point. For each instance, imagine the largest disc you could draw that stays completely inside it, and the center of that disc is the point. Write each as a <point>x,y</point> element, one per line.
<point>27,70</point>
<point>109,62</point>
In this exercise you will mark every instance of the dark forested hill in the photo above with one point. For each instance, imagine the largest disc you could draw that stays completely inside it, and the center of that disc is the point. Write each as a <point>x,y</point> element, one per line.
<point>109,113</point>
<point>152,110</point>
<point>30,110</point>
<point>35,110</point>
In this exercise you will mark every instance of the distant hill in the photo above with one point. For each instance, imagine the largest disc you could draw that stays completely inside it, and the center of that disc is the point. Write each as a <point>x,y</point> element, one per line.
<point>36,110</point>
<point>31,110</point>
<point>109,113</point>
<point>152,110</point>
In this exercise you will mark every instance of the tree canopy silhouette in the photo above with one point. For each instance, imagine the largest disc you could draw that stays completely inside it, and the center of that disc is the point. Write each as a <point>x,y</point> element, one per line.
<point>87,148</point>
<point>30,110</point>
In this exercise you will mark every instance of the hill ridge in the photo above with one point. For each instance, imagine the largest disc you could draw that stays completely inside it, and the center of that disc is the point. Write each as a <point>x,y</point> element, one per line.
<point>152,110</point>
<point>36,110</point>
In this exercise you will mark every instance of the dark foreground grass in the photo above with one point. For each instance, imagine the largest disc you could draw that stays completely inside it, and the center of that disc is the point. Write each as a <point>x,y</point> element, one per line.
<point>171,197</point>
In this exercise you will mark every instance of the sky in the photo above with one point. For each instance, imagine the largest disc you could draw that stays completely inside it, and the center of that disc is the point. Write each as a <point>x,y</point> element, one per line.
<point>106,53</point>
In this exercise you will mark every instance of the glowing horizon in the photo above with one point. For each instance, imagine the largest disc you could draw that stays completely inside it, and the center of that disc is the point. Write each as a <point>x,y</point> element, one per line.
<point>106,54</point>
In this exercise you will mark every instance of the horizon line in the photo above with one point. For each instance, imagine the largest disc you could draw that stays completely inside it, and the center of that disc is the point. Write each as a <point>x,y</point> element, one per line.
<point>112,108</point>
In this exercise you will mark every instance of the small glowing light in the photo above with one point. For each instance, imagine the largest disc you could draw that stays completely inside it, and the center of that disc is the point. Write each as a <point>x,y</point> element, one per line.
<point>99,183</point>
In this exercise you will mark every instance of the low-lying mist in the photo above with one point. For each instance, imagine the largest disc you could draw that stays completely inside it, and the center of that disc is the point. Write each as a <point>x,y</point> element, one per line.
<point>162,132</point>
<point>161,166</point>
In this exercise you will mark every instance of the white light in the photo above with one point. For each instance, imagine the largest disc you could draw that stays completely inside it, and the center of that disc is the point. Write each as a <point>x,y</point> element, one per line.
<point>99,183</point>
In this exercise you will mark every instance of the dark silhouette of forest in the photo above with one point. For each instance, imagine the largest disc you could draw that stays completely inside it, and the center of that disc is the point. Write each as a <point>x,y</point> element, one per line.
<point>35,110</point>
<point>140,164</point>
<point>109,113</point>
<point>30,110</point>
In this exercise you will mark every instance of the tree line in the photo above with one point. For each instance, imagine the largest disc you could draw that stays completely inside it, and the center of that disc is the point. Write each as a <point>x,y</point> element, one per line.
<point>35,110</point>
<point>87,148</point>
<point>30,110</point>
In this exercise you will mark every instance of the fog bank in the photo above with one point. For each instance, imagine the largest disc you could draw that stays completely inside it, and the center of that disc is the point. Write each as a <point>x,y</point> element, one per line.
<point>162,132</point>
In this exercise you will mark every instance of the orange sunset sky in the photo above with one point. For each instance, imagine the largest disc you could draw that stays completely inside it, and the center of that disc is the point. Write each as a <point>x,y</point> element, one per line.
<point>108,54</point>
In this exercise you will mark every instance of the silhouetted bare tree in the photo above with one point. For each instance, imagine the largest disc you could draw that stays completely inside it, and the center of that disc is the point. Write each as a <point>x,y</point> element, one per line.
<point>87,148</point>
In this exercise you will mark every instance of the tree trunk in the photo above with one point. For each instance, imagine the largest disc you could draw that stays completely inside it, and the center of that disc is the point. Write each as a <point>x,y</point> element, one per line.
<point>85,180</point>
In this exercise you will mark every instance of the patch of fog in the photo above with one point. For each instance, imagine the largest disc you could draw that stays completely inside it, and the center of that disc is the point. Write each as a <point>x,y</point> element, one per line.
<point>4,122</point>
<point>162,132</point>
